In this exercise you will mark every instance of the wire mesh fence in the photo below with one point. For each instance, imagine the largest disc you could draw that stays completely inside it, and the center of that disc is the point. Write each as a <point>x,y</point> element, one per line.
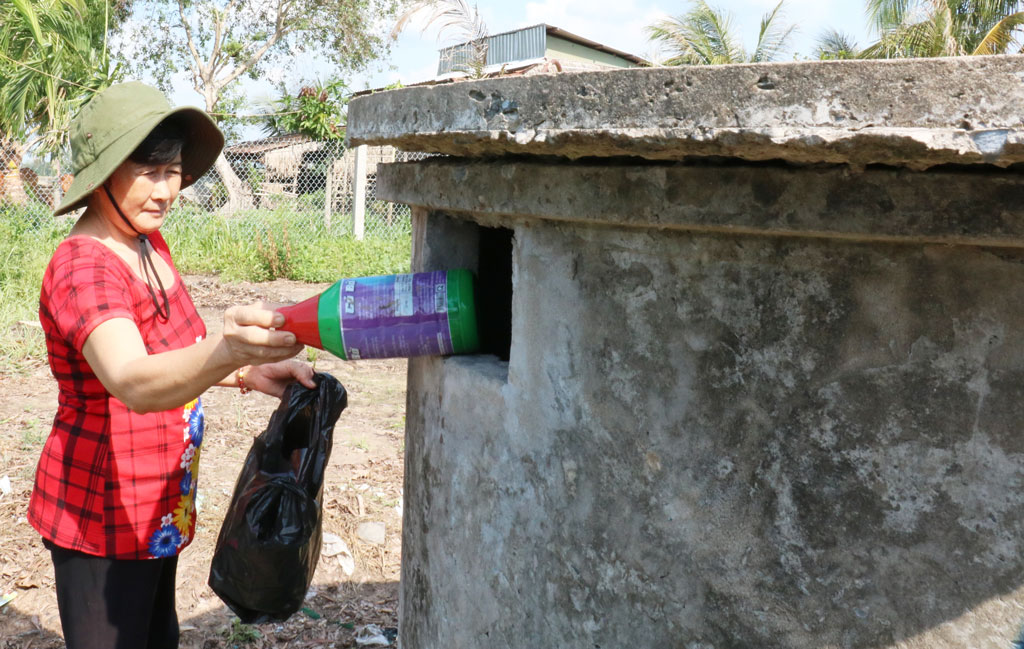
<point>263,186</point>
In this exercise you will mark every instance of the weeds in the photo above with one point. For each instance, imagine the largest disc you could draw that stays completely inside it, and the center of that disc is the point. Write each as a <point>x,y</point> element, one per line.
<point>27,239</point>
<point>277,258</point>
<point>312,354</point>
<point>241,633</point>
<point>33,435</point>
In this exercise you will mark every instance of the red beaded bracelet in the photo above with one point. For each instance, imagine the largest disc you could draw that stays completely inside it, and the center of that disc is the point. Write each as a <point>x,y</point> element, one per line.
<point>240,375</point>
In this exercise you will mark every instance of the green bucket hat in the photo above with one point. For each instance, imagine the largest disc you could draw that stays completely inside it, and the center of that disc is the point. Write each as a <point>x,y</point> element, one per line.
<point>116,121</point>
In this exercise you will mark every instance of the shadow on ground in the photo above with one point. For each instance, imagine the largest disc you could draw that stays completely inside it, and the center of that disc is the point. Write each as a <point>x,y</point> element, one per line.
<point>330,617</point>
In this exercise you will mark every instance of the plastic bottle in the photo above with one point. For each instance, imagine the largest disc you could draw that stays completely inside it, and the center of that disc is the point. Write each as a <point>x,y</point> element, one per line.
<point>390,316</point>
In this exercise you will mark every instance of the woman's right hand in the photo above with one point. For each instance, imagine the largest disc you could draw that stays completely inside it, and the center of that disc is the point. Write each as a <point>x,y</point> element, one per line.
<point>251,338</point>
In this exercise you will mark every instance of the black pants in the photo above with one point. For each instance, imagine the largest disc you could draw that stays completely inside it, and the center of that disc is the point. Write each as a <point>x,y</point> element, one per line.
<point>115,603</point>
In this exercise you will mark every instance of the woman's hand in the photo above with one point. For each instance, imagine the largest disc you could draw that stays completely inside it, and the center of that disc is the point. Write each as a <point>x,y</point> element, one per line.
<point>251,338</point>
<point>273,378</point>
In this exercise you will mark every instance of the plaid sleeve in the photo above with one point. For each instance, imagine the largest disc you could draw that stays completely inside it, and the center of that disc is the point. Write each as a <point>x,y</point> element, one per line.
<point>87,290</point>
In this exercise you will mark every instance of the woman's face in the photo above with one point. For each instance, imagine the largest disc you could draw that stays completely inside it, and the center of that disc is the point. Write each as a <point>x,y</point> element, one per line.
<point>145,191</point>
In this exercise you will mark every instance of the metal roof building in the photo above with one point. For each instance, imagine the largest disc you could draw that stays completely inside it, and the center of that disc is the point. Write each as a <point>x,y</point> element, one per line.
<point>533,45</point>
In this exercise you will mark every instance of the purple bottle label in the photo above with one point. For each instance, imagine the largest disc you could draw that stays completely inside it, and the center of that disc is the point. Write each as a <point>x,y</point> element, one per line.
<point>395,316</point>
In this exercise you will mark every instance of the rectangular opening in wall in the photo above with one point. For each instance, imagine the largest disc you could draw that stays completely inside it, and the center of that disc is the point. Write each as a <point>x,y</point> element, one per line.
<point>494,291</point>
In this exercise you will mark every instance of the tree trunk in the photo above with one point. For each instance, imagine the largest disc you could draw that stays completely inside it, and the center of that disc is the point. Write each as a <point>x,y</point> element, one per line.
<point>239,194</point>
<point>11,153</point>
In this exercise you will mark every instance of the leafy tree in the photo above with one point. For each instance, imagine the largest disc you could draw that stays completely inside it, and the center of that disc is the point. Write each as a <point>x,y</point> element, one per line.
<point>704,36</point>
<point>53,59</point>
<point>917,28</point>
<point>316,111</point>
<point>457,15</point>
<point>218,41</point>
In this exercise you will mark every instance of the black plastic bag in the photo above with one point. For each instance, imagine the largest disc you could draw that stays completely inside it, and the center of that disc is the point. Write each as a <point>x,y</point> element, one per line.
<point>269,542</point>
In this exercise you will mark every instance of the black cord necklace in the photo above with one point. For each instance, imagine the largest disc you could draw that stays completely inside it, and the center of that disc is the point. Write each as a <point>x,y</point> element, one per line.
<point>147,264</point>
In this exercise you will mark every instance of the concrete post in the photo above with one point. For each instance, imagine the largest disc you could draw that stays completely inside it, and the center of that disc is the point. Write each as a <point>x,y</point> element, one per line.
<point>764,385</point>
<point>359,194</point>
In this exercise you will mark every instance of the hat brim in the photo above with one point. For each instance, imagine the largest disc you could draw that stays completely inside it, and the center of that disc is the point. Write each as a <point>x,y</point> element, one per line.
<point>203,143</point>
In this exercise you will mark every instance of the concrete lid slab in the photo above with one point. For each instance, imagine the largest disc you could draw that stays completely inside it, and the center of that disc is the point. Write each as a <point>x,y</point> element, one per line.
<point>914,113</point>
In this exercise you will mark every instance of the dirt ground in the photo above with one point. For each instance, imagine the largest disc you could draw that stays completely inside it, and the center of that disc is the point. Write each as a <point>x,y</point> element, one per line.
<point>364,485</point>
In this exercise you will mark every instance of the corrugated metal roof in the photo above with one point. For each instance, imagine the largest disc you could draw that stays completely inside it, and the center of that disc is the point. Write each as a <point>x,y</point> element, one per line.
<point>266,144</point>
<point>519,45</point>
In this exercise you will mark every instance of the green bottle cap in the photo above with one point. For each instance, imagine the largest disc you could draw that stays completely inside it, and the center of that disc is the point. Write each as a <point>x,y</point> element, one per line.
<point>330,321</point>
<point>461,312</point>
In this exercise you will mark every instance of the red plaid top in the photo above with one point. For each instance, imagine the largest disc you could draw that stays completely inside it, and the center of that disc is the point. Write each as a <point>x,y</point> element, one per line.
<point>112,482</point>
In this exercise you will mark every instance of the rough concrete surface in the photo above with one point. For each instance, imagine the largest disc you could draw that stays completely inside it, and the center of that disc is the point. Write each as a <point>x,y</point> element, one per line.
<point>718,442</point>
<point>914,113</point>
<point>772,404</point>
<point>940,206</point>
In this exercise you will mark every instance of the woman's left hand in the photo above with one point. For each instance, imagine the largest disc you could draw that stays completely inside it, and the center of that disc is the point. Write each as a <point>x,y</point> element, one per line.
<point>273,378</point>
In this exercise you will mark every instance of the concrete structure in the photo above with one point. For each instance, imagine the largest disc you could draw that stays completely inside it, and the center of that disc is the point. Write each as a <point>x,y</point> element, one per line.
<point>765,357</point>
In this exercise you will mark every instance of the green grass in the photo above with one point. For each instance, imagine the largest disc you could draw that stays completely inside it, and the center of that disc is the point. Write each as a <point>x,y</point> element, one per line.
<point>261,245</point>
<point>258,245</point>
<point>33,434</point>
<point>240,634</point>
<point>27,239</point>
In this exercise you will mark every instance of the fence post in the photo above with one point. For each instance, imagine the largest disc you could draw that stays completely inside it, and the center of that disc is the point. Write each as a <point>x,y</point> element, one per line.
<point>328,190</point>
<point>359,199</point>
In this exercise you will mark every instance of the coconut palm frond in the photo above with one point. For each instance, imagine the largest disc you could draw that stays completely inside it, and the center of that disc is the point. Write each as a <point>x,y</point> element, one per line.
<point>704,36</point>
<point>668,34</point>
<point>922,39</point>
<point>883,14</point>
<point>54,59</point>
<point>677,45</point>
<point>946,19</point>
<point>451,14</point>
<point>711,32</point>
<point>1001,37</point>
<point>29,18</point>
<point>833,44</point>
<point>772,37</point>
<point>909,28</point>
<point>909,40</point>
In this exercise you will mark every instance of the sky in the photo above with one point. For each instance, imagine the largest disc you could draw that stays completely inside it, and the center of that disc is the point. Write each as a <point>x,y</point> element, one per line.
<point>616,23</point>
<point>619,24</point>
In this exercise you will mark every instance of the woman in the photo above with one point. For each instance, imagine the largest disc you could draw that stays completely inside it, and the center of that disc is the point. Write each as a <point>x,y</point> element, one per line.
<point>114,496</point>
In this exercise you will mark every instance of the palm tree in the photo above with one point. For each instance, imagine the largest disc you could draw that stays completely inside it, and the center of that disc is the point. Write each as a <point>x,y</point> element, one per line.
<point>53,58</point>
<point>704,36</point>
<point>457,15</point>
<point>917,28</point>
<point>834,44</point>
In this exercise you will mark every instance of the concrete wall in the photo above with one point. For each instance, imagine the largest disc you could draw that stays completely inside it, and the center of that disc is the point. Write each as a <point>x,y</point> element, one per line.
<point>746,405</point>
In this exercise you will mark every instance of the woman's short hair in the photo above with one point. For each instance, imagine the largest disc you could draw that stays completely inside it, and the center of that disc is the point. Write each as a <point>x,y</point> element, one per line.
<point>163,144</point>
